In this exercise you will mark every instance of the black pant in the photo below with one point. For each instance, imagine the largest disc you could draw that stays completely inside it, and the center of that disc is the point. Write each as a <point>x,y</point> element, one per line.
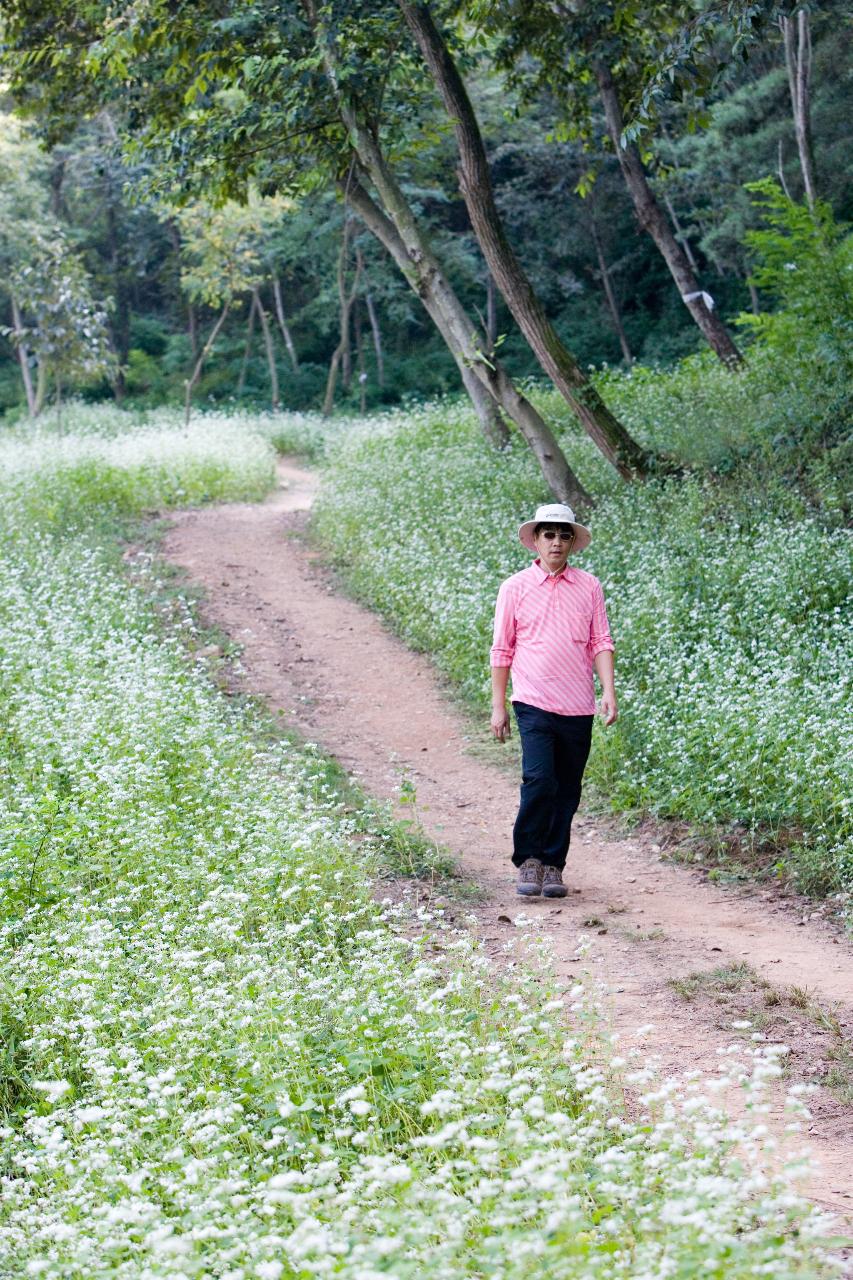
<point>554,751</point>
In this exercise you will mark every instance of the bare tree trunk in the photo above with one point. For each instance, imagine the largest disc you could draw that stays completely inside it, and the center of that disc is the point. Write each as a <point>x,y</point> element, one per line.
<point>491,312</point>
<point>798,61</point>
<point>346,349</point>
<point>780,170</point>
<point>612,304</point>
<point>653,220</point>
<point>487,382</point>
<point>192,330</point>
<point>427,281</point>
<point>680,234</point>
<point>192,381</point>
<point>282,323</point>
<point>247,349</point>
<point>359,348</point>
<point>270,350</point>
<point>120,324</point>
<point>342,350</point>
<point>376,332</point>
<point>23,358</point>
<point>41,388</point>
<point>475,183</point>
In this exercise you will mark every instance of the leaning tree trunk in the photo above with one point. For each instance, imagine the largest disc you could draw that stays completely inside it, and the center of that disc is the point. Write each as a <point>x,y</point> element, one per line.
<point>475,182</point>
<point>192,380</point>
<point>376,331</point>
<point>282,323</point>
<point>341,353</point>
<point>270,350</point>
<point>23,358</point>
<point>359,352</point>
<point>247,349</point>
<point>798,61</point>
<point>610,294</point>
<point>486,382</point>
<point>653,220</point>
<point>41,387</point>
<point>410,249</point>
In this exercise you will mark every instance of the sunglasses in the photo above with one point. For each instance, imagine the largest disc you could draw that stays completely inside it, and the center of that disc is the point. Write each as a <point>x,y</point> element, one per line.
<point>565,535</point>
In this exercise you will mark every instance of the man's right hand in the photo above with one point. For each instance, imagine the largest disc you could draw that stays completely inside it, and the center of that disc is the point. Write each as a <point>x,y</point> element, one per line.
<point>500,723</point>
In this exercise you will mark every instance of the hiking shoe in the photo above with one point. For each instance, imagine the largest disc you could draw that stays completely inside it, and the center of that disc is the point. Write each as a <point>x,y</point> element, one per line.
<point>529,882</point>
<point>552,883</point>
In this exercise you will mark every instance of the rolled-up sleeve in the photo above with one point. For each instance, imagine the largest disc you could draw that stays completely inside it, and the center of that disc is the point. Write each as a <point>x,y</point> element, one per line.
<point>503,643</point>
<point>599,632</point>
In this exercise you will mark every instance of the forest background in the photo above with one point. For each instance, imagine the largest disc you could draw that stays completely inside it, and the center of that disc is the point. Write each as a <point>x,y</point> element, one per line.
<point>127,234</point>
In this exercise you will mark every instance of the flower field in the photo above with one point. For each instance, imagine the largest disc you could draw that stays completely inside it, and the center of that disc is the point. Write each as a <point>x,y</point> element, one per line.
<point>729,606</point>
<point>222,1057</point>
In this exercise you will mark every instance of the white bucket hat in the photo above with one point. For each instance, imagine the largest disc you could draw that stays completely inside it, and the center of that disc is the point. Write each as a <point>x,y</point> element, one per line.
<point>554,513</point>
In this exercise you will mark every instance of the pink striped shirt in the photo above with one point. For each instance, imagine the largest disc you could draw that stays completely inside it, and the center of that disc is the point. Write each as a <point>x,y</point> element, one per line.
<point>548,630</point>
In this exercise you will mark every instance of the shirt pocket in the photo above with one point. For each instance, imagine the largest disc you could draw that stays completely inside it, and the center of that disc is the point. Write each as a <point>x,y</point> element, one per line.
<point>578,627</point>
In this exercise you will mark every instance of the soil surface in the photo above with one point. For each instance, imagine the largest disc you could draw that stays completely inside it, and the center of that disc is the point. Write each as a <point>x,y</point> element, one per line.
<point>344,681</point>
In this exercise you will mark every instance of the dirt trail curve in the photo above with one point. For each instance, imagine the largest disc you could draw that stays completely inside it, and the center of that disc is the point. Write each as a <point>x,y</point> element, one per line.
<point>349,685</point>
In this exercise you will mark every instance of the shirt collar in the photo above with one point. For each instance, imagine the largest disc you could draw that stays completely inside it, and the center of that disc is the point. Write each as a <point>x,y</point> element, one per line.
<point>542,573</point>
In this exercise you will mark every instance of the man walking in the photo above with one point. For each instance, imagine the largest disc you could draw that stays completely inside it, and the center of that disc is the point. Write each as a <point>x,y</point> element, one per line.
<point>551,629</point>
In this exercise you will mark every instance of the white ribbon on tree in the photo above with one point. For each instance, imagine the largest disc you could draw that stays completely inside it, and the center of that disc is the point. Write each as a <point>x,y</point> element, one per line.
<point>700,293</point>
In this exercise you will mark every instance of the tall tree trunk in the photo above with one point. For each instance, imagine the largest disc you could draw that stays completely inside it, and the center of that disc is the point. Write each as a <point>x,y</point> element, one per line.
<point>342,350</point>
<point>56,185</point>
<point>118,266</point>
<point>610,295</point>
<point>491,312</point>
<point>421,269</point>
<point>247,348</point>
<point>653,220</point>
<point>475,182</point>
<point>680,233</point>
<point>192,330</point>
<point>375,331</point>
<point>282,323</point>
<point>41,388</point>
<point>780,170</point>
<point>192,380</point>
<point>798,60</point>
<point>487,382</point>
<point>345,306</point>
<point>270,350</point>
<point>23,358</point>
<point>192,326</point>
<point>359,348</point>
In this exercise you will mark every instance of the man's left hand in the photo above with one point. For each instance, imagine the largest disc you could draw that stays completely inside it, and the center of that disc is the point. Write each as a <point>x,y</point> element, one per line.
<point>609,710</point>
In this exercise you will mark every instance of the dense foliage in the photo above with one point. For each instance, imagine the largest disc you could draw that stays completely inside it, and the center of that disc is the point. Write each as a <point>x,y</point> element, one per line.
<point>601,281</point>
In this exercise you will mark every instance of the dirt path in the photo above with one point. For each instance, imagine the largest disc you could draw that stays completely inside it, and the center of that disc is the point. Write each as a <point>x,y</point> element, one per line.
<point>349,685</point>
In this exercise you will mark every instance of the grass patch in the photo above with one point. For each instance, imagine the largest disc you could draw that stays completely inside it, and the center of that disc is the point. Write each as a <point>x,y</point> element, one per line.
<point>723,978</point>
<point>820,1048</point>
